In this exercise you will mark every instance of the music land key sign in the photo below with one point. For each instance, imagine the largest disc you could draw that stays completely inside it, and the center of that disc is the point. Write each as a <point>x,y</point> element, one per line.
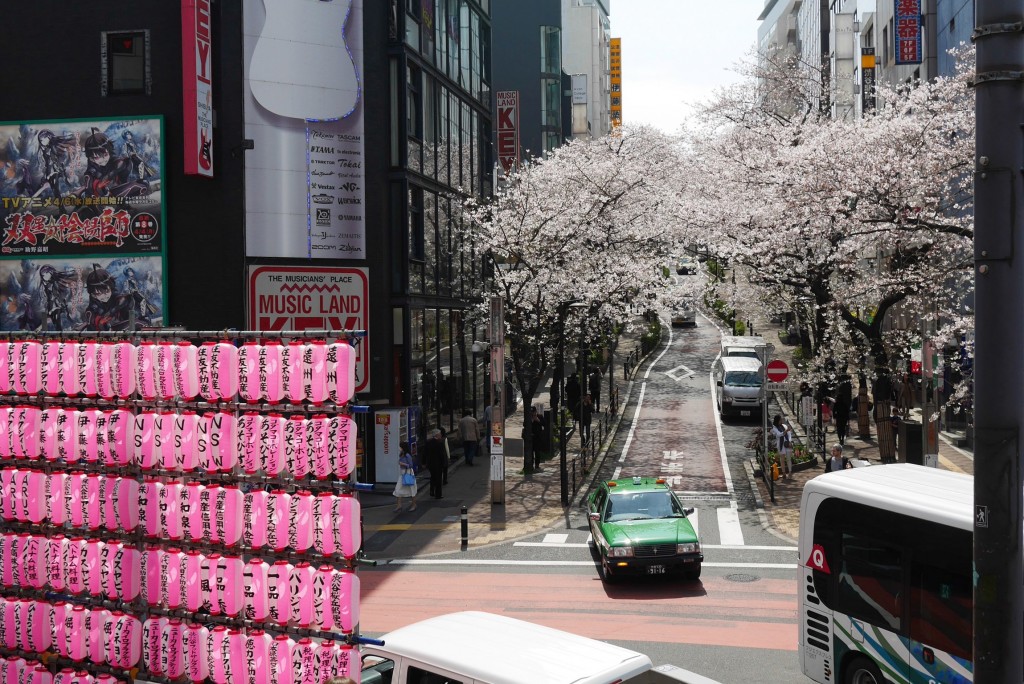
<point>777,370</point>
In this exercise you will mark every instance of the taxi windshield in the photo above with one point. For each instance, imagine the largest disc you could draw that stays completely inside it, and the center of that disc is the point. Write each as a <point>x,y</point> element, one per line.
<point>642,506</point>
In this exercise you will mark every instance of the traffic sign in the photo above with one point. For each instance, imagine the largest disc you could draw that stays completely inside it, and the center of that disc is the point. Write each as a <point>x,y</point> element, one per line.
<point>777,370</point>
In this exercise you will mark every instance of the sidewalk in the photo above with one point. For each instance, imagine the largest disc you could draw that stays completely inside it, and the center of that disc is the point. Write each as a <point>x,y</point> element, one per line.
<point>532,502</point>
<point>784,515</point>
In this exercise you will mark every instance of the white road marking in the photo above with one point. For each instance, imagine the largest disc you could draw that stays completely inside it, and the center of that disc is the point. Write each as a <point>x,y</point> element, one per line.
<point>632,429</point>
<point>720,547</point>
<point>695,521</point>
<point>555,538</point>
<point>555,563</point>
<point>721,438</point>
<point>680,373</point>
<point>730,532</point>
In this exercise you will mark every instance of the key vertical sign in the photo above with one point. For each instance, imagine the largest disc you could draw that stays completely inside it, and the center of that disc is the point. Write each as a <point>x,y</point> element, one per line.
<point>508,129</point>
<point>197,84</point>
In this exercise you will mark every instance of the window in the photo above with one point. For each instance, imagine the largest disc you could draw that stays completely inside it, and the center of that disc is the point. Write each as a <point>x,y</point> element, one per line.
<point>125,63</point>
<point>870,580</point>
<point>550,50</point>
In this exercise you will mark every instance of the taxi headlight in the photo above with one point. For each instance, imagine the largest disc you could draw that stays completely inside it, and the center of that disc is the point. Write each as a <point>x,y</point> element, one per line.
<point>620,552</point>
<point>692,547</point>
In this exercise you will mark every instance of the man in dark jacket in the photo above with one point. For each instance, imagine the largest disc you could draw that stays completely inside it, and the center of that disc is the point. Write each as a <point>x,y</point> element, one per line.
<point>436,461</point>
<point>572,396</point>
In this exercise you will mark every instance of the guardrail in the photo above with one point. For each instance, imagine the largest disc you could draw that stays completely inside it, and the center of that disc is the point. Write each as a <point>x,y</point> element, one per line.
<point>580,464</point>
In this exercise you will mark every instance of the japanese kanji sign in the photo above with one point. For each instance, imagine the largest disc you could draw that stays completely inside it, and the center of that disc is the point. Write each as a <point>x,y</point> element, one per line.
<point>907,31</point>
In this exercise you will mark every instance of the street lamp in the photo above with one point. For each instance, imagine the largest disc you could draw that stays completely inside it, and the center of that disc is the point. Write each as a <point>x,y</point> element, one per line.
<point>563,464</point>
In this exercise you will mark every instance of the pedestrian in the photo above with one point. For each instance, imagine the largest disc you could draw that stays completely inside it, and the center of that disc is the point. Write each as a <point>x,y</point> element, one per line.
<point>836,462</point>
<point>405,488</point>
<point>841,413</point>
<point>572,396</point>
<point>896,421</point>
<point>490,415</point>
<point>537,428</point>
<point>469,433</point>
<point>436,461</point>
<point>595,388</point>
<point>447,454</point>
<point>586,412</point>
<point>826,413</point>
<point>783,434</point>
<point>905,395</point>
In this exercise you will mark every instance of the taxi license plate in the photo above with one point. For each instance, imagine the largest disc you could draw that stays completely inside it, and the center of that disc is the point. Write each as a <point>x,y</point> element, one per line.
<point>744,413</point>
<point>655,569</point>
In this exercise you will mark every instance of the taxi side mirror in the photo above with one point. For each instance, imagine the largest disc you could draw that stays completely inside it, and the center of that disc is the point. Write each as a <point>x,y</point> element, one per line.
<point>596,517</point>
<point>688,511</point>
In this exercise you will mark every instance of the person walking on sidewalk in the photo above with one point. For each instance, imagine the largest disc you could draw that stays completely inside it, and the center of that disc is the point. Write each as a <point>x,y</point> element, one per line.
<point>841,411</point>
<point>572,396</point>
<point>836,462</point>
<point>437,461</point>
<point>586,413</point>
<point>469,432</point>
<point>595,388</point>
<point>406,473</point>
<point>783,434</point>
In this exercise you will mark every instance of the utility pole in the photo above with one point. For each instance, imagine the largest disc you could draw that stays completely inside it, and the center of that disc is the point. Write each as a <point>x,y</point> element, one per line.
<point>999,326</point>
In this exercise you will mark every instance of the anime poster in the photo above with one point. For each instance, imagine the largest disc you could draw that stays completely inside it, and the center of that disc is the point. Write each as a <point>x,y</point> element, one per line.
<point>81,187</point>
<point>60,294</point>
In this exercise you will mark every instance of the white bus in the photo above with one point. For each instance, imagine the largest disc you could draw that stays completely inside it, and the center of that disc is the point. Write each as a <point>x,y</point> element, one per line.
<point>885,579</point>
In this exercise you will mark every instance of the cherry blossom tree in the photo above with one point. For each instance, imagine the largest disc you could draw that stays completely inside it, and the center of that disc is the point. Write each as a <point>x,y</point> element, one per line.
<point>583,226</point>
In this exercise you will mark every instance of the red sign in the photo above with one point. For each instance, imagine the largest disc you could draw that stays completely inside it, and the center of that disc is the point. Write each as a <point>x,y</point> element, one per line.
<point>817,560</point>
<point>778,370</point>
<point>508,128</point>
<point>197,81</point>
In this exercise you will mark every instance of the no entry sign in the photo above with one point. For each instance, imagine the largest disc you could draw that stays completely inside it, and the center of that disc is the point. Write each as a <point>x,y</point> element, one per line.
<point>777,370</point>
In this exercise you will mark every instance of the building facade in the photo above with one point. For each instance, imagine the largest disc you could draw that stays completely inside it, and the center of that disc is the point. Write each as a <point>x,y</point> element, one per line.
<point>586,48</point>
<point>392,152</point>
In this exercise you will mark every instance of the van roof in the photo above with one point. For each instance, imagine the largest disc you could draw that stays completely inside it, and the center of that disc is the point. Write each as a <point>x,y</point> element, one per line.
<point>919,491</point>
<point>740,363</point>
<point>742,341</point>
<point>502,650</point>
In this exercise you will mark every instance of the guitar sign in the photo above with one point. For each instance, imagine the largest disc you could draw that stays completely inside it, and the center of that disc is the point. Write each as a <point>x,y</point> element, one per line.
<point>301,67</point>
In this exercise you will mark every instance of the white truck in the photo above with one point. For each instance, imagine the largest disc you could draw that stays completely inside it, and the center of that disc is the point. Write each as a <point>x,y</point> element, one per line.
<point>483,648</point>
<point>753,346</point>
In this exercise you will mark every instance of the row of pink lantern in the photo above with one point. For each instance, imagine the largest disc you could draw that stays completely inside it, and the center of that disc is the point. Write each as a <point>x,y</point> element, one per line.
<point>312,371</point>
<point>175,649</point>
<point>186,441</point>
<point>276,520</point>
<point>18,670</point>
<point>73,631</point>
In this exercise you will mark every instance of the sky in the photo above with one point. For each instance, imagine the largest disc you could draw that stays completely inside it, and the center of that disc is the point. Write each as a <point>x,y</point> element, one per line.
<point>676,52</point>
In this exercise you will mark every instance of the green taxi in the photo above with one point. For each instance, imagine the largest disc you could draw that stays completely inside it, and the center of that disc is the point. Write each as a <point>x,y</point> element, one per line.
<point>640,528</point>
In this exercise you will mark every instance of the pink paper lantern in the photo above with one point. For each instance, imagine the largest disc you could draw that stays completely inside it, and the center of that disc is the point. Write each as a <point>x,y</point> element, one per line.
<point>296,450</point>
<point>248,372</point>
<point>85,357</point>
<point>49,368</point>
<point>124,369</point>
<point>279,592</point>
<point>257,649</point>
<point>164,369</point>
<point>341,372</point>
<point>223,440</point>
<point>270,374</point>
<point>77,636</point>
<point>146,455</point>
<point>163,441</point>
<point>224,364</point>
<point>105,369</point>
<point>291,371</point>
<point>343,599</point>
<point>146,370</point>
<point>230,586</point>
<point>68,369</point>
<point>254,534</point>
<point>195,641</point>
<point>236,656</point>
<point>127,572</point>
<point>40,620</point>
<point>228,515</point>
<point>37,500</point>
<point>126,503</point>
<point>254,583</point>
<point>151,572</point>
<point>323,520</point>
<point>74,565</point>
<point>272,458</point>
<point>170,510</point>
<point>208,579</point>
<point>301,587</point>
<point>28,377</point>
<point>279,660</point>
<point>249,428</point>
<point>194,595</point>
<point>304,662</point>
<point>152,632</point>
<point>186,370</point>
<point>348,536</point>
<point>341,440</point>
<point>218,654</point>
<point>150,497</point>
<point>96,625</point>
<point>300,529</point>
<point>77,500</point>
<point>191,512</point>
<point>93,504</point>
<point>55,554</point>
<point>172,651</point>
<point>91,567</point>
<point>278,516</point>
<point>317,433</point>
<point>108,552</point>
<point>314,370</point>
<point>172,570</point>
<point>7,366</point>
<point>120,436</point>
<point>186,425</point>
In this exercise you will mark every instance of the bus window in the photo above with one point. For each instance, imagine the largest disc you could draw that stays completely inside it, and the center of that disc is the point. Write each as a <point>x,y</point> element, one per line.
<point>870,579</point>
<point>940,609</point>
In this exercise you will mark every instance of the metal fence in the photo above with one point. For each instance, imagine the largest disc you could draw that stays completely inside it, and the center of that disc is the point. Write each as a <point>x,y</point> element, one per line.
<point>579,464</point>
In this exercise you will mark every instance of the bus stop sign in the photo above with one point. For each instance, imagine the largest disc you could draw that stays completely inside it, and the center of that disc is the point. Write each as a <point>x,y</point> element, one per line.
<point>777,370</point>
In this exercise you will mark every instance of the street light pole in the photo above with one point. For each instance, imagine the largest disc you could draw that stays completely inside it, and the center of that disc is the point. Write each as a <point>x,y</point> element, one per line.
<point>563,461</point>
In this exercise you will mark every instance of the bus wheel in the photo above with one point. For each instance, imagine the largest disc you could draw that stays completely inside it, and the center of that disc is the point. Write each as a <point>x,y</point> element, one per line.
<point>862,671</point>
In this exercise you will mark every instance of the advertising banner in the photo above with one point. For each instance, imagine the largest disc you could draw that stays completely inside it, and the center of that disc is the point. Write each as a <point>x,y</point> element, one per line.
<point>508,128</point>
<point>63,294</point>
<point>75,188</point>
<point>305,180</point>
<point>197,84</point>
<point>312,298</point>
<point>907,31</point>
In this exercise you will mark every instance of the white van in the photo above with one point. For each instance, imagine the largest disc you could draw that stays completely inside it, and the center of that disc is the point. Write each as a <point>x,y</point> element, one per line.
<point>738,381</point>
<point>752,346</point>
<point>483,648</point>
